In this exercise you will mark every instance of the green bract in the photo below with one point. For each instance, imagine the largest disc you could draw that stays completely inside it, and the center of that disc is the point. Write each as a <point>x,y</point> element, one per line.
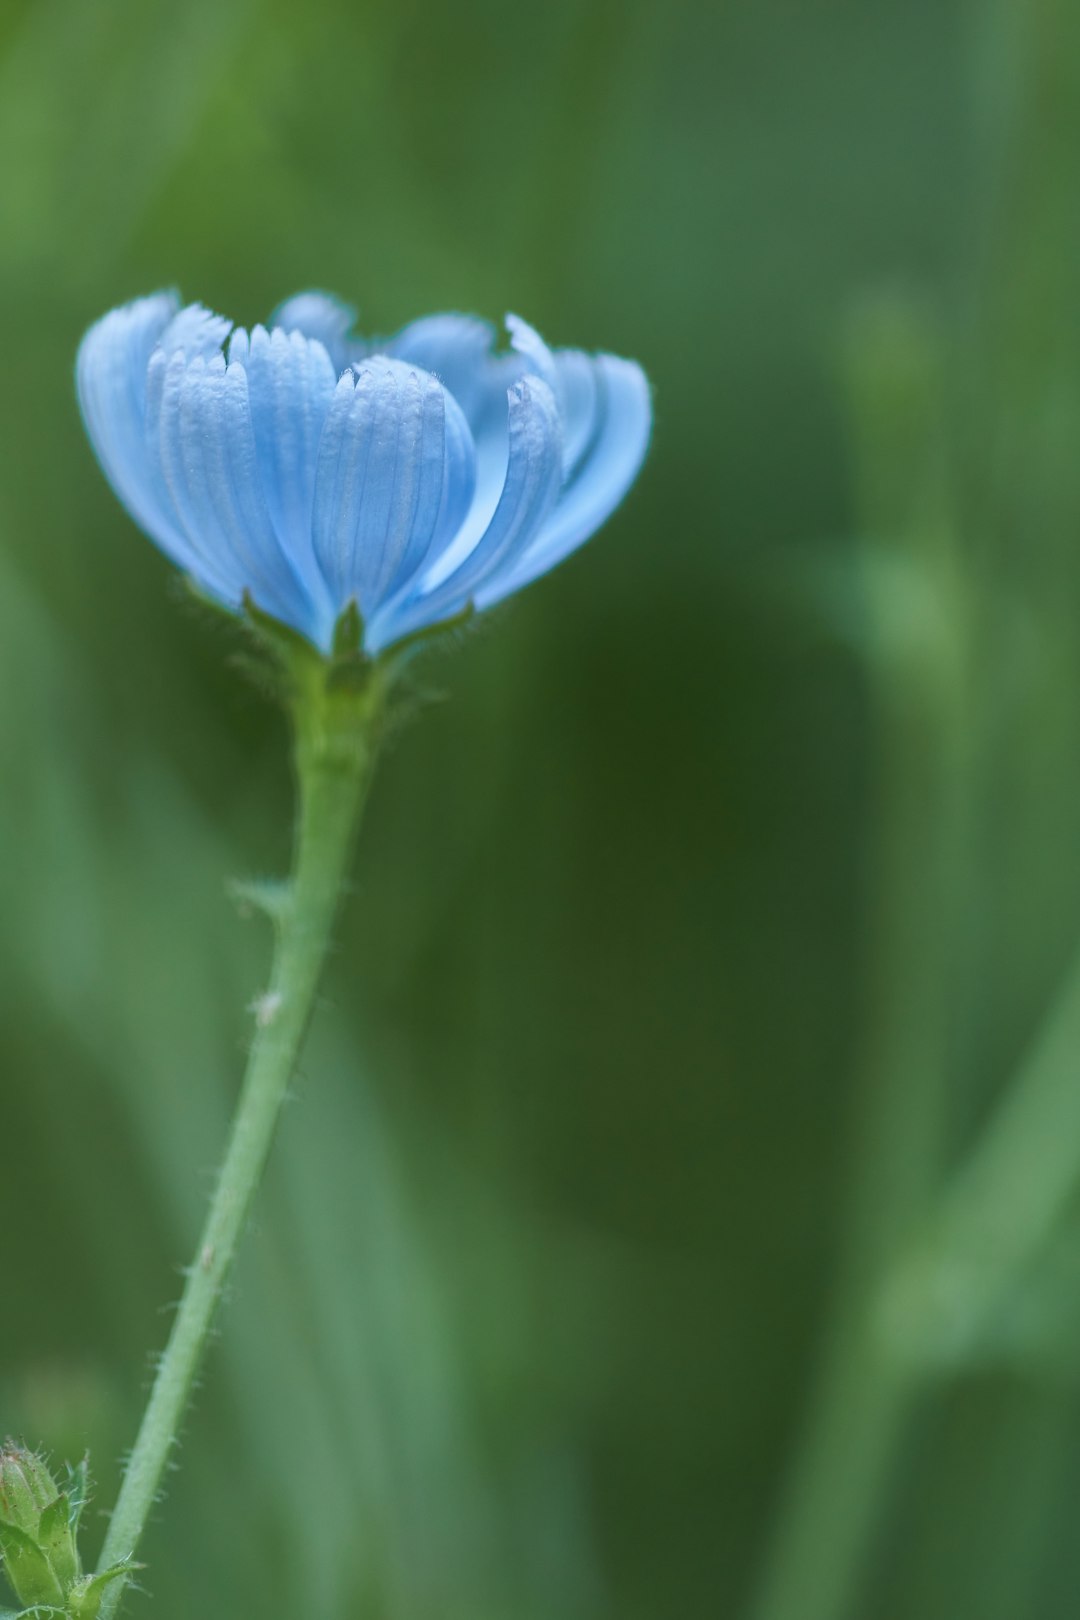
<point>39,1521</point>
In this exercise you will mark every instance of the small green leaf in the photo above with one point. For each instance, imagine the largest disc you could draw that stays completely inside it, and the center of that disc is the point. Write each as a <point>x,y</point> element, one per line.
<point>56,1539</point>
<point>268,895</point>
<point>76,1487</point>
<point>27,1568</point>
<point>84,1599</point>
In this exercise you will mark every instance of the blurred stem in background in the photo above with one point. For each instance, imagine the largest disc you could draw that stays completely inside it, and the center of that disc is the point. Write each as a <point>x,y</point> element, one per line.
<point>932,1259</point>
<point>917,610</point>
<point>335,728</point>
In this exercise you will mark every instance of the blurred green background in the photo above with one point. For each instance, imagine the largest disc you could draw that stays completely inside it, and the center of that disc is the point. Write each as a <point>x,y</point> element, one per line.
<point>695,939</point>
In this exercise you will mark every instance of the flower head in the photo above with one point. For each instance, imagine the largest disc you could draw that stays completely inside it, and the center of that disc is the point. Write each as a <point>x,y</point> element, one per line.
<point>307,469</point>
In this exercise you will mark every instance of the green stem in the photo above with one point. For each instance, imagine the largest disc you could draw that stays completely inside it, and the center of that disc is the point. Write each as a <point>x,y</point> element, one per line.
<point>335,730</point>
<point>917,612</point>
<point>842,1472</point>
<point>930,1311</point>
<point>1003,1206</point>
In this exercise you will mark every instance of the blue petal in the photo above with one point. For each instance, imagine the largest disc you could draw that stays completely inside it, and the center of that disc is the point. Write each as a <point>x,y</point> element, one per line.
<point>531,485</point>
<point>537,358</point>
<point>201,559</point>
<point>458,350</point>
<point>610,440</point>
<point>290,386</point>
<point>111,377</point>
<point>196,330</point>
<point>395,477</point>
<point>485,407</point>
<point>579,397</point>
<point>211,466</point>
<point>325,318</point>
<point>565,381</point>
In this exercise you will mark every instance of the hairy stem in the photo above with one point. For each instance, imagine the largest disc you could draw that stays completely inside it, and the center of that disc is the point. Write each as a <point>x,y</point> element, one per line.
<point>335,740</point>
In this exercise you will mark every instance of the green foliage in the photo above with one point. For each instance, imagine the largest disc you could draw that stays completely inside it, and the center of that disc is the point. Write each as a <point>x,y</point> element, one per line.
<point>37,1535</point>
<point>39,1525</point>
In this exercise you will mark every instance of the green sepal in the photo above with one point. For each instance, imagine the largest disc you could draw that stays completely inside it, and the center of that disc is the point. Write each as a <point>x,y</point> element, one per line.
<point>261,672</point>
<point>288,667</point>
<point>274,652</point>
<point>56,1538</point>
<point>26,1487</point>
<point>28,1570</point>
<point>281,660</point>
<point>203,599</point>
<point>348,672</point>
<point>278,636</point>
<point>432,637</point>
<point>348,633</point>
<point>76,1488</point>
<point>84,1599</point>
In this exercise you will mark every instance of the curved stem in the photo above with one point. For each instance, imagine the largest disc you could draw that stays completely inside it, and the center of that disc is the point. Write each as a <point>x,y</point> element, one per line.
<point>928,1313</point>
<point>841,1474</point>
<point>335,741</point>
<point>918,610</point>
<point>1002,1207</point>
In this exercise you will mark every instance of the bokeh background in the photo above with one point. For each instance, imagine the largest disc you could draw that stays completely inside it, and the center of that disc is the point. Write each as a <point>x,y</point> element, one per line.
<point>699,936</point>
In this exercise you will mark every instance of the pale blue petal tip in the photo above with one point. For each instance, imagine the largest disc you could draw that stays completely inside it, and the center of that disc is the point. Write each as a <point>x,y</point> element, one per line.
<point>307,467</point>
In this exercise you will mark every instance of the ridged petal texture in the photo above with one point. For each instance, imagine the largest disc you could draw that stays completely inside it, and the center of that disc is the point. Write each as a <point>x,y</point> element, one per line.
<point>310,468</point>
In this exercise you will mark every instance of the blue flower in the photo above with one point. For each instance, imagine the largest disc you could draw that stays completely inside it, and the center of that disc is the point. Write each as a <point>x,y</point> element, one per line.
<point>308,468</point>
